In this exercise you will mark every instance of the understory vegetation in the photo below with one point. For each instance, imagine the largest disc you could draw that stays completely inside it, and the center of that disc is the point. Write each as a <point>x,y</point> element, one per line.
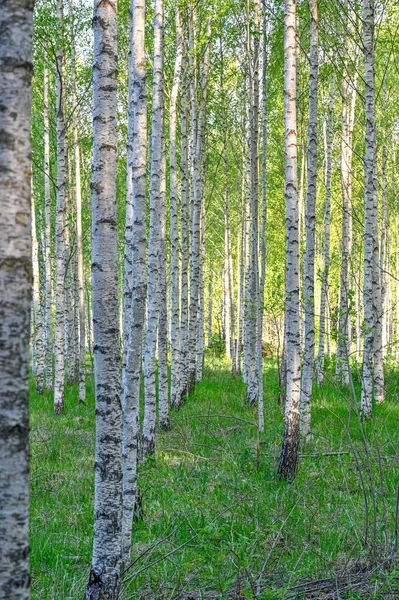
<point>216,521</point>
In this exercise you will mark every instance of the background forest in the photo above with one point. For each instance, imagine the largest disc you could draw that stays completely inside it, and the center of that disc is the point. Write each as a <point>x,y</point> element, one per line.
<point>214,331</point>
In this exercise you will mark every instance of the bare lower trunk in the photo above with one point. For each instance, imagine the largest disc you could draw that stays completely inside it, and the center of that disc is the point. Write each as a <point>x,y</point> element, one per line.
<point>185,242</point>
<point>328,136</point>
<point>47,202</point>
<point>289,453</point>
<point>343,343</point>
<point>163,388</point>
<point>155,236</point>
<point>371,288</point>
<point>262,277</point>
<point>16,26</point>
<point>174,229</point>
<point>309,297</point>
<point>104,580</point>
<point>59,348</point>
<point>79,243</point>
<point>127,259</point>
<point>37,308</point>
<point>253,295</point>
<point>131,389</point>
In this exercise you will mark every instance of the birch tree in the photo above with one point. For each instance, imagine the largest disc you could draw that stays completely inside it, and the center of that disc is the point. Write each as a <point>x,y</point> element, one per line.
<point>371,290</point>
<point>48,321</point>
<point>174,229</point>
<point>328,144</point>
<point>289,453</point>
<point>184,229</point>
<point>148,446</point>
<point>163,387</point>
<point>78,206</point>
<point>104,579</point>
<point>309,300</point>
<point>131,388</point>
<point>253,287</point>
<point>16,26</point>
<point>348,114</point>
<point>59,349</point>
<point>37,308</point>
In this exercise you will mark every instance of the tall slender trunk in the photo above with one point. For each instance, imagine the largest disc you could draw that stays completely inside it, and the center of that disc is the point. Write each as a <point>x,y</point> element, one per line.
<point>195,204</point>
<point>371,288</point>
<point>289,454</point>
<point>163,387</point>
<point>155,236</point>
<point>328,135</point>
<point>185,242</point>
<point>247,263</point>
<point>174,228</point>
<point>200,340</point>
<point>47,202</point>
<point>78,206</point>
<point>262,277</point>
<point>16,26</point>
<point>59,349</point>
<point>127,259</point>
<point>309,297</point>
<point>396,259</point>
<point>37,308</point>
<point>241,262</point>
<point>104,580</point>
<point>228,267</point>
<point>131,389</point>
<point>210,302</point>
<point>348,108</point>
<point>252,375</point>
<point>384,241</point>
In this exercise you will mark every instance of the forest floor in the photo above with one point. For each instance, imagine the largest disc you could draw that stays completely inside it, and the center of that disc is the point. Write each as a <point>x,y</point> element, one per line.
<point>217,523</point>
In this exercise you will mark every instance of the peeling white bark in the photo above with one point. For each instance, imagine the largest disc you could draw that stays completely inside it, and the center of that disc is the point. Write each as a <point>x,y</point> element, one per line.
<point>48,238</point>
<point>104,580</point>
<point>59,347</point>
<point>148,445</point>
<point>328,137</point>
<point>131,387</point>
<point>289,454</point>
<point>16,26</point>
<point>309,299</point>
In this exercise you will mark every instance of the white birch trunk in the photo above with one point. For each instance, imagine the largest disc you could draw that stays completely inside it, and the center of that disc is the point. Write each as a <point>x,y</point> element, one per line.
<point>174,228</point>
<point>185,242</point>
<point>195,205</point>
<point>163,387</point>
<point>396,261</point>
<point>289,454</point>
<point>262,277</point>
<point>104,580</point>
<point>200,341</point>
<point>78,206</point>
<point>210,302</point>
<point>309,296</point>
<point>127,259</point>
<point>370,217</point>
<point>37,308</point>
<point>328,133</point>
<point>47,201</point>
<point>131,387</point>
<point>155,236</point>
<point>16,26</point>
<point>59,347</point>
<point>253,291</point>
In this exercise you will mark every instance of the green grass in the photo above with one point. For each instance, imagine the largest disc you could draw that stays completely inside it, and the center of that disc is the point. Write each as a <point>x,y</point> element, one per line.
<point>217,523</point>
